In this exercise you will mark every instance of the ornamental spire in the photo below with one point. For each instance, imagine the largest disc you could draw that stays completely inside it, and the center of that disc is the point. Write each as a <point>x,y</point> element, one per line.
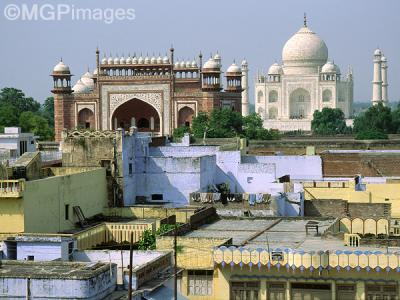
<point>305,20</point>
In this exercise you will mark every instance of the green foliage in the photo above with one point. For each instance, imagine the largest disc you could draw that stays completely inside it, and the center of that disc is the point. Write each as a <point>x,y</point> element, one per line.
<point>25,112</point>
<point>376,118</point>
<point>396,119</point>
<point>225,123</point>
<point>371,135</point>
<point>47,110</point>
<point>253,129</point>
<point>329,121</point>
<point>200,124</point>
<point>180,132</point>
<point>147,241</point>
<point>31,122</point>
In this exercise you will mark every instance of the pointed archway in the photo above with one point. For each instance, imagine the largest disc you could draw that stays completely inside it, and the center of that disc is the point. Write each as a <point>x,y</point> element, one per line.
<point>136,112</point>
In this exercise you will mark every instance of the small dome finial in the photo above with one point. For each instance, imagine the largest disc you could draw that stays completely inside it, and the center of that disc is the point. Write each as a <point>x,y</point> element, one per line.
<point>305,20</point>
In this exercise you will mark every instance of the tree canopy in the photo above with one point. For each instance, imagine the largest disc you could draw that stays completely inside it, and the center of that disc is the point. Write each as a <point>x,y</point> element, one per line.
<point>18,110</point>
<point>377,122</point>
<point>329,121</point>
<point>225,123</point>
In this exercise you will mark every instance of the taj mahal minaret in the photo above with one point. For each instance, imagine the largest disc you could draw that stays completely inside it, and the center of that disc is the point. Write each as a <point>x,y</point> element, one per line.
<point>380,80</point>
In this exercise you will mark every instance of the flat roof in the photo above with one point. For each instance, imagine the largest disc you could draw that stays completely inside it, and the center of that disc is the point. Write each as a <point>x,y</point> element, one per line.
<point>276,232</point>
<point>51,269</point>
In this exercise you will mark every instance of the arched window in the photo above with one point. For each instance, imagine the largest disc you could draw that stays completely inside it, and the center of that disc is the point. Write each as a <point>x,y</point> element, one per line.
<point>273,96</point>
<point>272,113</point>
<point>260,97</point>
<point>326,96</point>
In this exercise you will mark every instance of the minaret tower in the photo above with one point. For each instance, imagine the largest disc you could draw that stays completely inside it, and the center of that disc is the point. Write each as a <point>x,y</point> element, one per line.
<point>377,81</point>
<point>245,88</point>
<point>62,97</point>
<point>384,67</point>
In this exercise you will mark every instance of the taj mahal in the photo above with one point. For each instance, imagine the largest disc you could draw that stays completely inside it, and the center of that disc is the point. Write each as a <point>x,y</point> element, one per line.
<point>287,96</point>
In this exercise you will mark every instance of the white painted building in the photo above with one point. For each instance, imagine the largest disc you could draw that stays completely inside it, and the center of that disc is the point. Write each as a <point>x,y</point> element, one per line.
<point>288,95</point>
<point>14,143</point>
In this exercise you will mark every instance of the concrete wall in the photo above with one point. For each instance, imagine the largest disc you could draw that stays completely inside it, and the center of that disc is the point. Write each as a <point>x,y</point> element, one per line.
<point>12,215</point>
<point>121,258</point>
<point>298,167</point>
<point>41,252</point>
<point>373,193</point>
<point>99,286</point>
<point>45,199</point>
<point>174,177</point>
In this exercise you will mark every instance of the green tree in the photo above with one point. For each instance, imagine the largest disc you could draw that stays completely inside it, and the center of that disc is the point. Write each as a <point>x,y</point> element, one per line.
<point>8,116</point>
<point>31,122</point>
<point>47,110</point>
<point>376,118</point>
<point>180,131</point>
<point>224,123</point>
<point>200,124</point>
<point>17,99</point>
<point>253,129</point>
<point>329,121</point>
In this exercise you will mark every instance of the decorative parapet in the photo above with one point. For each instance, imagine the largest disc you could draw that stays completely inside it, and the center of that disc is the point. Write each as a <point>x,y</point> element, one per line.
<point>12,188</point>
<point>311,260</point>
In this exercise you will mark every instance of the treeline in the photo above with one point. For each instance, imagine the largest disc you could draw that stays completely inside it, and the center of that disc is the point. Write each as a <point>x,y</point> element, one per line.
<point>225,123</point>
<point>18,110</point>
<point>375,123</point>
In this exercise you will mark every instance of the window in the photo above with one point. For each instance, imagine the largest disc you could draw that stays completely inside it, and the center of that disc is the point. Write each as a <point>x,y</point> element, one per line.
<point>273,96</point>
<point>66,212</point>
<point>157,197</point>
<point>301,98</point>
<point>23,146</point>
<point>326,96</point>
<point>130,169</point>
<point>247,290</point>
<point>31,257</point>
<point>260,96</point>
<point>200,282</point>
<point>384,292</point>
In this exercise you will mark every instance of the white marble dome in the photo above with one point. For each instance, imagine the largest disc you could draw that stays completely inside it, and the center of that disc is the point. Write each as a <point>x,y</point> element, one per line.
<point>165,60</point>
<point>153,60</point>
<point>234,68</point>
<point>116,61</point>
<point>159,60</point>
<point>140,60</point>
<point>134,60</point>
<point>110,61</point>
<point>87,79</point>
<point>122,60</point>
<point>80,88</point>
<point>275,69</point>
<point>129,60</point>
<point>305,48</point>
<point>194,64</point>
<point>383,59</point>
<point>61,68</point>
<point>211,64</point>
<point>330,67</point>
<point>378,52</point>
<point>104,61</point>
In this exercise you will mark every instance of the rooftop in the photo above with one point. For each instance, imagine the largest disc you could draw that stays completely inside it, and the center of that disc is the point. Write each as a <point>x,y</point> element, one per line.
<point>283,233</point>
<point>51,269</point>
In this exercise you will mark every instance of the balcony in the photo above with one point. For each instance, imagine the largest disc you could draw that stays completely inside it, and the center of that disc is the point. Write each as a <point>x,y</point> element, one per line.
<point>12,188</point>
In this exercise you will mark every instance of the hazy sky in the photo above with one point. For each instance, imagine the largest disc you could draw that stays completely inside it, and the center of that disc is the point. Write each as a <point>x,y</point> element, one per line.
<point>256,30</point>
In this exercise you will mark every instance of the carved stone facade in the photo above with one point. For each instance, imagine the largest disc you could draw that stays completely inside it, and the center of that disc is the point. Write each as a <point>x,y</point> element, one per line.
<point>153,94</point>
